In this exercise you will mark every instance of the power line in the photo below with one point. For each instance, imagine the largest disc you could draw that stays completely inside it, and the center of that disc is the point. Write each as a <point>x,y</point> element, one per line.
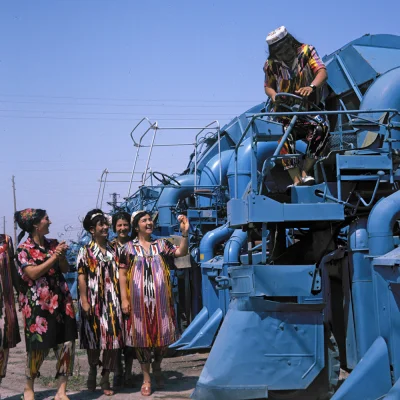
<point>102,113</point>
<point>124,105</point>
<point>101,119</point>
<point>122,99</point>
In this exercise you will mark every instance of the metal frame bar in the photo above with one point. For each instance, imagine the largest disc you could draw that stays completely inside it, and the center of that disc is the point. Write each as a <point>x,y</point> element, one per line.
<point>349,77</point>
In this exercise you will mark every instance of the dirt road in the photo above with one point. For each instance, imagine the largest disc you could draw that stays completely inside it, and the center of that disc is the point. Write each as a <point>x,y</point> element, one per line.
<point>181,373</point>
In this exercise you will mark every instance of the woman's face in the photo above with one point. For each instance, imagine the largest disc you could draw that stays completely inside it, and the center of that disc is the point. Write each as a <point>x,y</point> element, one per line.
<point>42,228</point>
<point>100,231</point>
<point>145,225</point>
<point>122,228</point>
<point>284,51</point>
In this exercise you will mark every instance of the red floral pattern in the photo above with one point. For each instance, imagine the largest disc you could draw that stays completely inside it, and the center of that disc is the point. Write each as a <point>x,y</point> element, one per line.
<point>46,302</point>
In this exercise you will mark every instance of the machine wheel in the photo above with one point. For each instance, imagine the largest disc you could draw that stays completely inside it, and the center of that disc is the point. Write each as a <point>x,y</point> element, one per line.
<point>165,179</point>
<point>324,386</point>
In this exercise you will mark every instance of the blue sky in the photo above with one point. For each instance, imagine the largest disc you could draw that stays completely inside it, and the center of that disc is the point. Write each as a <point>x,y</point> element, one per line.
<point>76,77</point>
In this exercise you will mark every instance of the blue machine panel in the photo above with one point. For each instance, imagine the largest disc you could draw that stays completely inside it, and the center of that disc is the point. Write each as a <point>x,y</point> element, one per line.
<point>272,350</point>
<point>386,280</point>
<point>264,209</point>
<point>272,280</point>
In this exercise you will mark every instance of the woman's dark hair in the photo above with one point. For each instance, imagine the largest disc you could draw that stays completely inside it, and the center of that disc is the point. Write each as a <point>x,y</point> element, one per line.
<point>120,215</point>
<point>92,218</point>
<point>135,222</point>
<point>288,42</point>
<point>26,219</point>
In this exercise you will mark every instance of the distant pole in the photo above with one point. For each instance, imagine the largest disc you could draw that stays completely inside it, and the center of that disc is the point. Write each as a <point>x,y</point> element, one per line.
<point>15,210</point>
<point>4,225</point>
<point>114,200</point>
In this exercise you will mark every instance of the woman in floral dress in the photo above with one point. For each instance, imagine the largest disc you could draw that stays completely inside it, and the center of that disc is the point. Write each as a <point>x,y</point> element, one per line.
<point>101,322</point>
<point>121,224</point>
<point>146,293</point>
<point>9,331</point>
<point>45,300</point>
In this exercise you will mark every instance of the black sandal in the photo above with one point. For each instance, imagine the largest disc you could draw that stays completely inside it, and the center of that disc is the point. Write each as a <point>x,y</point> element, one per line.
<point>105,386</point>
<point>159,378</point>
<point>91,380</point>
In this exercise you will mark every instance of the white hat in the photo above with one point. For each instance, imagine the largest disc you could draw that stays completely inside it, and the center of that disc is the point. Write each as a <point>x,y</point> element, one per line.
<point>108,218</point>
<point>276,35</point>
<point>134,215</point>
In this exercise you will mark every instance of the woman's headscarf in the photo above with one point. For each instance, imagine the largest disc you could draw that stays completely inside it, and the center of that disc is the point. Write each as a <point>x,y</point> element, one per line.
<point>27,218</point>
<point>135,220</point>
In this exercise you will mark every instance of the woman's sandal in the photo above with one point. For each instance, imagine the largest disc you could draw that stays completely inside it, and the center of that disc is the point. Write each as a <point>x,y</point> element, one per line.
<point>23,396</point>
<point>159,378</point>
<point>91,380</point>
<point>145,390</point>
<point>105,386</point>
<point>64,397</point>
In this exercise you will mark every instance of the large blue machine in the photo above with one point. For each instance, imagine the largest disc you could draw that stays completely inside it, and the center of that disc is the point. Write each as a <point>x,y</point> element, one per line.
<point>317,287</point>
<point>289,286</point>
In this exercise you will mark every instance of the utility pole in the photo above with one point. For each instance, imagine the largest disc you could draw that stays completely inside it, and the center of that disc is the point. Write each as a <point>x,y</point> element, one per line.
<point>114,200</point>
<point>4,225</point>
<point>15,210</point>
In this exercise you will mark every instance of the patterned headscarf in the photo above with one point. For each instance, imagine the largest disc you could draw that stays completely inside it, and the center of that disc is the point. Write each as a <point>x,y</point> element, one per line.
<point>27,218</point>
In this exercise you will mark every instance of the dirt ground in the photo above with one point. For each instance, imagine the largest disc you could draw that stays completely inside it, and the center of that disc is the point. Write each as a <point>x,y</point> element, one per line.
<point>181,373</point>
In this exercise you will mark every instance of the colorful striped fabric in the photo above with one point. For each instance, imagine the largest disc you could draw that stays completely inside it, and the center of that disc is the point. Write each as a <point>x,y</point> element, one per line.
<point>9,331</point>
<point>149,288</point>
<point>102,329</point>
<point>287,79</point>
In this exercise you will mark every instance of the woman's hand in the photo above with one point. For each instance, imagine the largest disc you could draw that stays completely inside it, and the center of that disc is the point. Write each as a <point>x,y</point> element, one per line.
<point>85,307</point>
<point>61,249</point>
<point>184,224</point>
<point>304,91</point>
<point>125,306</point>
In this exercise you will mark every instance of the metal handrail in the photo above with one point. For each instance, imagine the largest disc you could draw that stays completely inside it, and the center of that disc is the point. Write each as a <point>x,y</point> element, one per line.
<point>295,115</point>
<point>105,172</point>
<point>138,145</point>
<point>155,127</point>
<point>197,143</point>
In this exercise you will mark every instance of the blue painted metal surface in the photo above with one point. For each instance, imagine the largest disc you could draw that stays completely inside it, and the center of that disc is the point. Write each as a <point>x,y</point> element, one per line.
<point>266,348</point>
<point>371,378</point>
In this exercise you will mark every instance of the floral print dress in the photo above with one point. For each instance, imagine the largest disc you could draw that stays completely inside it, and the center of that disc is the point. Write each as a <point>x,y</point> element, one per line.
<point>46,303</point>
<point>102,328</point>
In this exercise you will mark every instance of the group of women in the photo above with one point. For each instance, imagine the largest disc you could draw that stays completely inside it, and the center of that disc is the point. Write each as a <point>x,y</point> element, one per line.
<point>125,299</point>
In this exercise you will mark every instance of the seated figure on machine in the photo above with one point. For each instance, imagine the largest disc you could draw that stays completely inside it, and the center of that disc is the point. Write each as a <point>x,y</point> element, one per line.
<point>295,68</point>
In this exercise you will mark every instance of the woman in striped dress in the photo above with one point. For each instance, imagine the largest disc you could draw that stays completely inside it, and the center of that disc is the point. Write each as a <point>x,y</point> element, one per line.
<point>121,224</point>
<point>101,317</point>
<point>9,331</point>
<point>146,293</point>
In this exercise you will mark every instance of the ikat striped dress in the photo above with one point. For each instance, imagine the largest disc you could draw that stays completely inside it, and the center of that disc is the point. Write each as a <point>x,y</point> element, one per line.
<point>150,292</point>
